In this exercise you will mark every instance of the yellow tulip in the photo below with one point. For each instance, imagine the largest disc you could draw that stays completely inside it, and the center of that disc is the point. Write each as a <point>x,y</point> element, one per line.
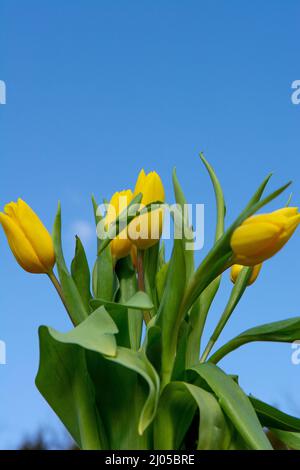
<point>145,230</point>
<point>261,236</point>
<point>121,245</point>
<point>28,238</point>
<point>236,269</point>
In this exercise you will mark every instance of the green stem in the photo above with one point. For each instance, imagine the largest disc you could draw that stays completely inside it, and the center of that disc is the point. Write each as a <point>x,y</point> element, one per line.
<point>58,288</point>
<point>141,282</point>
<point>203,277</point>
<point>235,296</point>
<point>208,348</point>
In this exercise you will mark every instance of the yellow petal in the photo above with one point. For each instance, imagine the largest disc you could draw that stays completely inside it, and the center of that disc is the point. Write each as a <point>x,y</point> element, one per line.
<point>11,210</point>
<point>153,189</point>
<point>236,269</point>
<point>290,227</point>
<point>286,211</point>
<point>145,231</point>
<point>150,186</point>
<point>118,203</point>
<point>250,239</point>
<point>20,246</point>
<point>121,245</point>
<point>140,182</point>
<point>255,272</point>
<point>36,233</point>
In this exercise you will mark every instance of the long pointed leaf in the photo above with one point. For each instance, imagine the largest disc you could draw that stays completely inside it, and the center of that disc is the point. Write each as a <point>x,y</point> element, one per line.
<point>283,331</point>
<point>235,404</point>
<point>186,228</point>
<point>273,418</point>
<point>81,273</point>
<point>73,299</point>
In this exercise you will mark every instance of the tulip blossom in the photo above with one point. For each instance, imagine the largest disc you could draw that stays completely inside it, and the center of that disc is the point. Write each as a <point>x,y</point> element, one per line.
<point>28,238</point>
<point>145,230</point>
<point>121,245</point>
<point>261,236</point>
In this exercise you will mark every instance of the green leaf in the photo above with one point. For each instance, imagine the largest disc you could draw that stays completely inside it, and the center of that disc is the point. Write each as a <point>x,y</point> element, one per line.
<point>235,404</point>
<point>128,288</point>
<point>97,333</point>
<point>180,360</point>
<point>81,273</point>
<point>97,216</point>
<point>103,272</point>
<point>139,301</point>
<point>237,443</point>
<point>152,345</point>
<point>289,200</point>
<point>63,379</point>
<point>161,255</point>
<point>221,207</point>
<point>197,320</point>
<point>103,276</point>
<point>177,406</point>
<point>186,228</point>
<point>201,308</point>
<point>127,316</point>
<point>168,316</point>
<point>284,331</point>
<point>161,277</point>
<point>76,307</point>
<point>257,196</point>
<point>273,418</point>
<point>291,439</point>
<point>138,362</point>
<point>106,397</point>
<point>150,265</point>
<point>235,296</point>
<point>127,390</point>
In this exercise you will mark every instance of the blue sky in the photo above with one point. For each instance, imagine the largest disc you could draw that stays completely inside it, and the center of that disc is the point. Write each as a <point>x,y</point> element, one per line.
<point>98,89</point>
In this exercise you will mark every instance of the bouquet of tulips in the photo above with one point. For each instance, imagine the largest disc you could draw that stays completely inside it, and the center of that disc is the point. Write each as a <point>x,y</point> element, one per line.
<point>131,373</point>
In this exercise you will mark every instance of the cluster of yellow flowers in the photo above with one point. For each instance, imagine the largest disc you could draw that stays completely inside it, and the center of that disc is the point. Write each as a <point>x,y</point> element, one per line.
<point>258,238</point>
<point>139,233</point>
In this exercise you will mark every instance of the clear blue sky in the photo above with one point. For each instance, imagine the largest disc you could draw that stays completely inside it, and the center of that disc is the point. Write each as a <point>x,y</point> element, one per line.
<point>98,89</point>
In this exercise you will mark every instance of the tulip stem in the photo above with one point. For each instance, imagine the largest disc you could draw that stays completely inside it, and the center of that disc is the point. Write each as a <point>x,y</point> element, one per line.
<point>141,282</point>
<point>207,350</point>
<point>58,288</point>
<point>235,296</point>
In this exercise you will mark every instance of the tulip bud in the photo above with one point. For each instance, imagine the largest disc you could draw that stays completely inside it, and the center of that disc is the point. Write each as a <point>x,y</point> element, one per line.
<point>121,245</point>
<point>145,230</point>
<point>236,269</point>
<point>29,240</point>
<point>261,236</point>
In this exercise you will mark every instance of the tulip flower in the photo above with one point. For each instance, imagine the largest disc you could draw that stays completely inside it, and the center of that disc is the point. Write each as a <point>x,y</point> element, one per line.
<point>145,230</point>
<point>261,236</point>
<point>121,245</point>
<point>236,269</point>
<point>28,238</point>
